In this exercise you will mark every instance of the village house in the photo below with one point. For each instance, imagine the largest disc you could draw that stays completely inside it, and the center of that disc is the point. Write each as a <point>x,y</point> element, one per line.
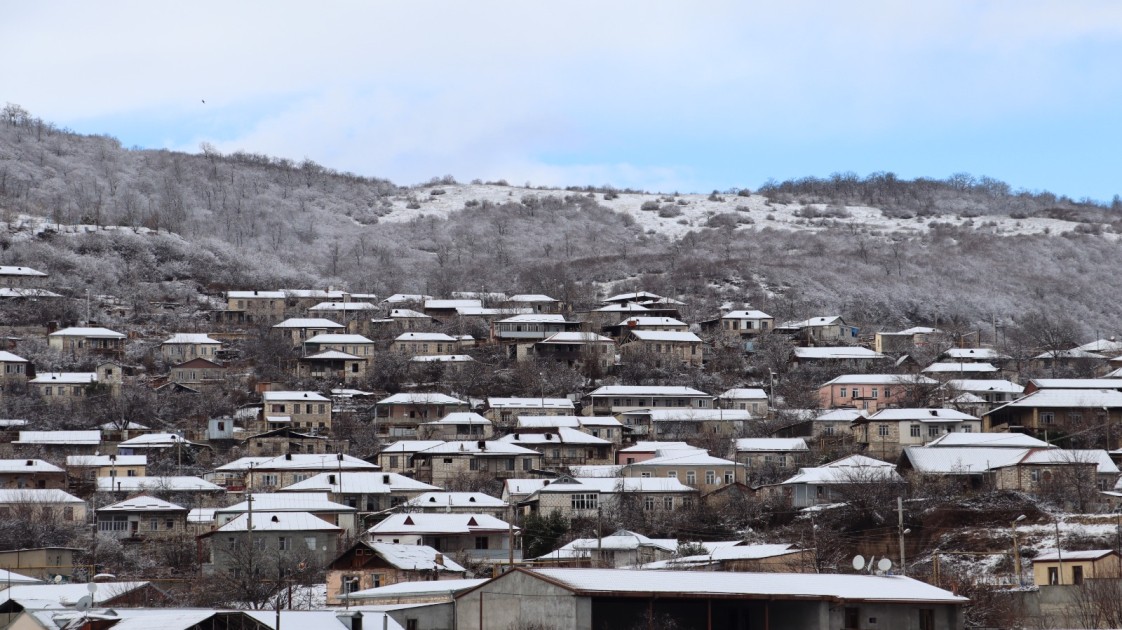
<point>617,399</point>
<point>425,343</point>
<point>1077,475</point>
<point>615,598</point>
<point>87,469</point>
<point>642,451</point>
<point>31,473</point>
<point>41,504</point>
<point>398,457</point>
<point>536,301</point>
<point>535,326</point>
<point>836,424</point>
<point>607,318</point>
<point>182,347</point>
<point>347,311</point>
<point>300,329</point>
<point>356,345</point>
<point>399,415</point>
<point>992,392</point>
<point>961,370</point>
<point>1053,410</point>
<point>54,445</point>
<point>407,319</point>
<point>606,427</point>
<point>286,538</point>
<point>442,362</point>
<point>752,399</point>
<point>87,341</point>
<point>282,441</point>
<point>575,349</point>
<point>13,276</point>
<point>450,461</point>
<point>141,517</point>
<point>156,443</point>
<point>477,536</point>
<point>564,446</point>
<point>303,299</point>
<point>583,497</point>
<point>365,491</point>
<point>375,564</point>
<point>742,558</point>
<point>832,482</point>
<point>503,411</point>
<point>182,490</point>
<point>458,425</point>
<point>443,309</point>
<point>770,453</point>
<point>198,374</point>
<point>871,392</point>
<point>270,473</point>
<point>70,387</point>
<point>1074,567</point>
<point>652,324</point>
<point>743,324</point>
<point>679,347</point>
<point>677,424</point>
<point>905,341</point>
<point>332,365</point>
<point>618,550</point>
<point>886,433</point>
<point>297,409</point>
<point>314,503</point>
<point>249,307</point>
<point>406,299</point>
<point>830,330</point>
<point>695,468</point>
<point>845,357</point>
<point>13,372</point>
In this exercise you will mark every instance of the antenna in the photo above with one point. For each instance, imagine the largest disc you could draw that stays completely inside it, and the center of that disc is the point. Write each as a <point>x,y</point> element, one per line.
<point>84,603</point>
<point>57,579</point>
<point>884,565</point>
<point>858,562</point>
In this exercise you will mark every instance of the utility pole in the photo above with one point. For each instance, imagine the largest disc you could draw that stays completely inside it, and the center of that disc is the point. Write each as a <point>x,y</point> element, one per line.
<point>1059,551</point>
<point>900,511</point>
<point>599,535</point>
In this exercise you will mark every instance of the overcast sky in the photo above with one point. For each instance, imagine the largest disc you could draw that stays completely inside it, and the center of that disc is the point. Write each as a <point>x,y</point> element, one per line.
<point>685,95</point>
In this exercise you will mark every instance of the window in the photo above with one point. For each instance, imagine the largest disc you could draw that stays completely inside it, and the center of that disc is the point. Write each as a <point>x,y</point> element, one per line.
<point>841,392</point>
<point>393,461</point>
<point>473,463</point>
<point>154,524</point>
<point>915,430</point>
<point>873,394</point>
<point>888,392</point>
<point>729,477</point>
<point>1053,575</point>
<point>852,619</point>
<point>649,503</point>
<point>1034,475</point>
<point>828,429</point>
<point>510,463</point>
<point>856,392</point>
<point>1077,575</point>
<point>482,542</point>
<point>1047,417</point>
<point>282,543</point>
<point>926,619</point>
<point>645,475</point>
<point>583,501</point>
<point>673,474</point>
<point>1075,417</point>
<point>966,428</point>
<point>411,624</point>
<point>882,430</point>
<point>710,477</point>
<point>933,431</point>
<point>527,463</point>
<point>691,478</point>
<point>68,513</point>
<point>668,503</point>
<point>310,543</point>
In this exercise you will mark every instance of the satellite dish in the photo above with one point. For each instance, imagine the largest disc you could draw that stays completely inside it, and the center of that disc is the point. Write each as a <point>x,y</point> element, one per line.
<point>858,562</point>
<point>92,587</point>
<point>57,579</point>
<point>84,603</point>
<point>884,565</point>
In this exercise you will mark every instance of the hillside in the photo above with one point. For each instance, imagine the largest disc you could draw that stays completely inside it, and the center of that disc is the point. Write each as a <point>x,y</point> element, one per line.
<point>881,251</point>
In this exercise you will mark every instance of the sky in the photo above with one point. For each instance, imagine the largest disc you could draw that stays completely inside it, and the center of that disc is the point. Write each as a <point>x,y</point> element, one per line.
<point>663,96</point>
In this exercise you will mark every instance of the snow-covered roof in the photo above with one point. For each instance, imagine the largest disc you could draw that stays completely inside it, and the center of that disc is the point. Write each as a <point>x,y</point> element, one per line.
<point>960,460</point>
<point>744,393</point>
<point>95,332</point>
<point>769,445</point>
<point>1074,353</point>
<point>405,589</point>
<point>530,403</point>
<point>143,503</point>
<point>65,378</point>
<point>635,295</point>
<point>157,484</point>
<point>414,557</point>
<point>272,295</point>
<point>1102,345</point>
<point>598,471</point>
<point>490,447</point>
<point>837,352</point>
<point>841,415</point>
<point>358,483</point>
<point>748,314</point>
<point>530,297</point>
<point>191,338</point>
<point>8,423</point>
<point>8,270</point>
<point>288,502</point>
<point>647,390</point>
<point>920,415</point>
<point>975,385</point>
<point>881,379</point>
<point>334,338</point>
<point>919,330</point>
<point>308,322</point>
<point>405,313</point>
<point>442,358</point>
<point>440,499</point>
<point>689,414</point>
<point>535,318</point>
<point>873,588</point>
<point>991,440</point>
<point>62,438</point>
<point>1098,456</point>
<point>343,306</point>
<point>1077,383</point>
<point>154,440</point>
<point>622,308</point>
<point>201,515</point>
<point>398,298</point>
<point>665,335</point>
<point>16,466</point>
<point>331,355</point>
<point>988,354</point>
<point>561,435</point>
<point>292,396</point>
<point>654,447</point>
<point>459,418</point>
<point>57,594</point>
<point>16,579</point>
<point>106,460</point>
<point>613,485</point>
<point>36,495</point>
<point>725,553</point>
<point>640,321</point>
<point>577,337</point>
<point>546,422</point>
<point>420,398</point>
<point>299,461</point>
<point>410,446</point>
<point>426,523</point>
<point>951,367</point>
<point>696,457</point>
<point>270,521</point>
<point>830,320</point>
<point>851,469</point>
<point>8,357</point>
<point>452,304</point>
<point>1068,398</point>
<point>1089,554</point>
<point>424,336</point>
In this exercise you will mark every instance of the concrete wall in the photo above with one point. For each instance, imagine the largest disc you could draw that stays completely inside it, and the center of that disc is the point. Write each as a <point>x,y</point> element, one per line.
<point>519,599</point>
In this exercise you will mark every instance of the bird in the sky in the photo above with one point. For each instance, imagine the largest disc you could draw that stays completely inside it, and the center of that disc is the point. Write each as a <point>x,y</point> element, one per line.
<point>204,101</point>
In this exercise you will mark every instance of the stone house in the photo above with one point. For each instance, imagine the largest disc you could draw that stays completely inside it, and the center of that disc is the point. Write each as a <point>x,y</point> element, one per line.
<point>86,469</point>
<point>574,497</point>
<point>198,374</point>
<point>450,461</point>
<point>279,442</point>
<point>574,349</point>
<point>870,392</point>
<point>458,425</point>
<point>425,343</point>
<point>14,276</point>
<point>141,516</point>
<point>399,415</point>
<point>375,564</point>
<point>695,468</point>
<point>476,536</point>
<point>887,432</point>
<point>31,473</point>
<point>367,492</point>
<point>830,482</point>
<point>68,387</point>
<point>282,537</point>
<point>314,503</point>
<point>299,329</point>
<point>87,341</point>
<point>186,346</point>
<point>535,327</point>
<point>751,399</point>
<point>13,371</point>
<point>1067,410</point>
<point>503,411</point>
<point>247,307</point>
<point>297,409</point>
<point>771,453</point>
<point>616,399</point>
<point>399,456</point>
<point>41,504</point>
<point>563,446</point>
<point>666,347</point>
<point>1074,567</point>
<point>605,427</point>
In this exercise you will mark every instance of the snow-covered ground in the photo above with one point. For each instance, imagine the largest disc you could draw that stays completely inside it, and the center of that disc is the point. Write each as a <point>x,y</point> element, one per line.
<point>697,209</point>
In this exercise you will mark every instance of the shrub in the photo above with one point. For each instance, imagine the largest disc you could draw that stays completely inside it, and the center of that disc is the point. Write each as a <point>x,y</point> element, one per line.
<point>413,205</point>
<point>743,208</point>
<point>669,211</point>
<point>437,191</point>
<point>715,197</point>
<point>743,192</point>
<point>649,206</point>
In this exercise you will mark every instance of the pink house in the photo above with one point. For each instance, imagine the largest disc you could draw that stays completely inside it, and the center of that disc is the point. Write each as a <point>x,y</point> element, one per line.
<point>871,392</point>
<point>642,451</point>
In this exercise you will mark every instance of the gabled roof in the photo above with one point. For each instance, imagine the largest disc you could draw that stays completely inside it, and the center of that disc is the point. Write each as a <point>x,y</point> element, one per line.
<point>577,337</point>
<point>654,447</point>
<point>530,297</point>
<point>749,393</point>
<point>769,445</point>
<point>1067,398</point>
<point>622,308</point>
<point>272,396</point>
<point>628,297</point>
<point>288,502</point>
<point>338,338</point>
<point>409,446</point>
<point>535,318</point>
<point>949,460</point>
<point>975,385</point>
<point>1097,457</point>
<point>530,403</point>
<point>106,460</point>
<point>65,378</point>
<point>749,314</point>
<point>988,354</point>
<point>36,495</point>
<point>424,336</point>
<point>847,470</point>
<point>299,461</point>
<point>143,503</point>
<point>414,557</point>
<point>420,398</point>
<point>647,390</point>
<point>962,368</point>
<point>426,587</point>
<point>16,466</point>
<point>154,440</point>
<point>397,298</point>
<point>920,415</point>
<point>8,270</point>
<point>881,379</point>
<point>404,313</point>
<point>1076,383</point>
<point>157,484</point>
<point>8,357</point>
<point>95,332</point>
<point>841,415</point>
<point>268,521</point>
<point>62,438</point>
<point>459,418</point>
<point>472,447</point>
<point>547,422</point>
<point>561,435</point>
<point>640,321</point>
<point>1090,554</point>
<point>689,414</point>
<point>836,352</point>
<point>343,306</point>
<point>358,483</point>
<point>199,362</point>
<point>664,335</point>
<point>272,295</point>
<point>441,499</point>
<point>830,320</point>
<point>191,338</point>
<point>308,322</point>
<point>331,355</point>
<point>614,485</point>
<point>988,440</point>
<point>697,457</point>
<point>424,523</point>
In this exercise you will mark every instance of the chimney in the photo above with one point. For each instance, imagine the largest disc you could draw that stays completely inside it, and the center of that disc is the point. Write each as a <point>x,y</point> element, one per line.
<point>386,479</point>
<point>352,619</point>
<point>275,519</point>
<point>30,462</point>
<point>288,457</point>
<point>482,444</point>
<point>331,479</point>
